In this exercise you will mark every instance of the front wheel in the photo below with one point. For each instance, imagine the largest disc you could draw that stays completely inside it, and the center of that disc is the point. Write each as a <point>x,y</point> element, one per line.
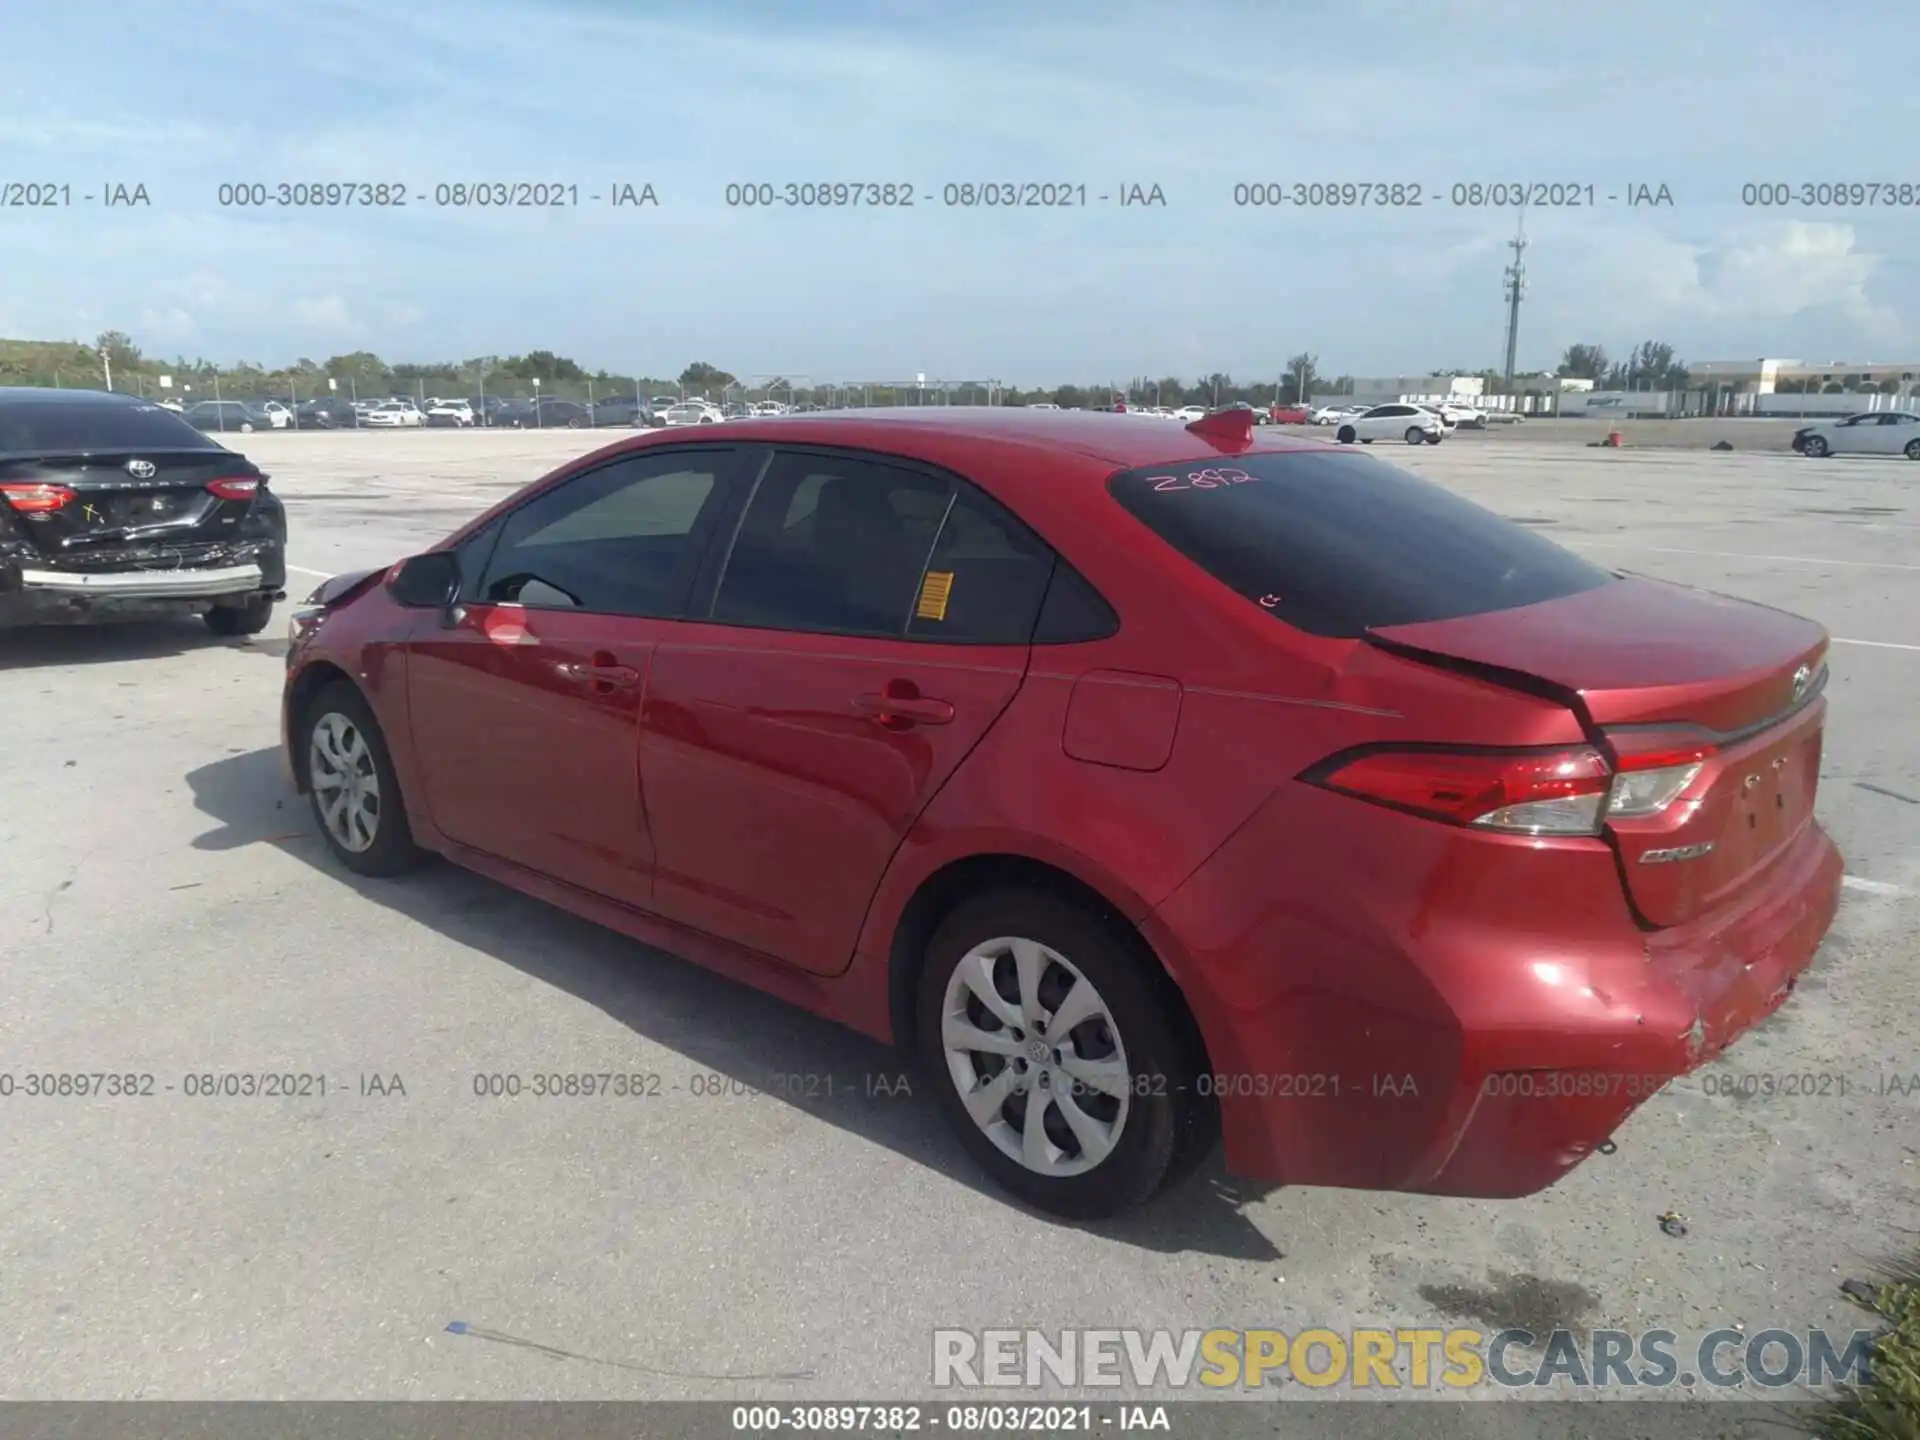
<point>246,427</point>
<point>1912,452</point>
<point>1814,447</point>
<point>247,618</point>
<point>1345,435</point>
<point>353,786</point>
<point>1054,1055</point>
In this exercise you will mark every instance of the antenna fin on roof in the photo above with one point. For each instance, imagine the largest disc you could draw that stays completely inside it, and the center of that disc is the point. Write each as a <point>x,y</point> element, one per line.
<point>1232,427</point>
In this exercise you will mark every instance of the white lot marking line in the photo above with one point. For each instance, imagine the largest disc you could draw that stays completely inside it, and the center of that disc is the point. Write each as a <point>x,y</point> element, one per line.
<point>1872,887</point>
<point>1739,555</point>
<point>303,570</point>
<point>1876,644</point>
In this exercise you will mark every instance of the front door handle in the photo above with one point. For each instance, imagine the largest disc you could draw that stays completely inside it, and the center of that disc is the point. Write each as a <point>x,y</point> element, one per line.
<point>604,675</point>
<point>900,705</point>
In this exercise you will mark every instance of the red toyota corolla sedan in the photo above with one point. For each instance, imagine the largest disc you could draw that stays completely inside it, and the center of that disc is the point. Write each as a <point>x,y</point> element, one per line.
<point>1151,782</point>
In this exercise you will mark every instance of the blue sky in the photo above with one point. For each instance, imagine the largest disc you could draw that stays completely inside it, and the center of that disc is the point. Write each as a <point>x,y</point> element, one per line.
<point>1701,97</point>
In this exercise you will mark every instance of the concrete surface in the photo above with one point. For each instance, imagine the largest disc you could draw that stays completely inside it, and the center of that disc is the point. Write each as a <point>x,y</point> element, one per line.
<point>165,908</point>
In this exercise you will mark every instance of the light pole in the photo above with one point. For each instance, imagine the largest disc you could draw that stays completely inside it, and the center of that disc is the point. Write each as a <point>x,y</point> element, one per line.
<point>539,416</point>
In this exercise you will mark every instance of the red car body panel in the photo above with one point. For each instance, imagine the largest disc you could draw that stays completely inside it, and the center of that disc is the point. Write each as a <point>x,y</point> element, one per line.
<point>1386,1001</point>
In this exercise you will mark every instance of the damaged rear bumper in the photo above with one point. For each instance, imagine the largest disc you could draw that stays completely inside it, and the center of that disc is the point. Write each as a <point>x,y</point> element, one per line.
<point>204,584</point>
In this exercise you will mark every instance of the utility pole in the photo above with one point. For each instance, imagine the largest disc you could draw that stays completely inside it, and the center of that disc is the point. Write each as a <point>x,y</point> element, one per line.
<point>1516,287</point>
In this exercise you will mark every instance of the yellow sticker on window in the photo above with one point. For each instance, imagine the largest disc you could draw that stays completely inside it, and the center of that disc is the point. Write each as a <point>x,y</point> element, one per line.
<point>934,592</point>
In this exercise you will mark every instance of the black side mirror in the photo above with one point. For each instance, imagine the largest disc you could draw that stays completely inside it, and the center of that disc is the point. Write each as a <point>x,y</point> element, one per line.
<point>427,582</point>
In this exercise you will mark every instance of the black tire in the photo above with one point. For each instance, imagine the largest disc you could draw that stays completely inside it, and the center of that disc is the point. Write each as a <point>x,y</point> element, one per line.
<point>1345,435</point>
<point>1164,1123</point>
<point>392,851</point>
<point>1416,436</point>
<point>1435,439</point>
<point>249,618</point>
<point>1912,452</point>
<point>1813,447</point>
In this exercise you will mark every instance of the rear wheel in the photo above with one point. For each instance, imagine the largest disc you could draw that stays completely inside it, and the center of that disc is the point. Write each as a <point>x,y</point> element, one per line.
<point>1912,451</point>
<point>1417,436</point>
<point>1814,447</point>
<point>353,786</point>
<point>248,618</point>
<point>1054,1057</point>
<point>1435,438</point>
<point>1345,435</point>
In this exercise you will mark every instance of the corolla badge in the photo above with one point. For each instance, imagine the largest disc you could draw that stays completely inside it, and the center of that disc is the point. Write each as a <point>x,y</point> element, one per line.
<point>1802,682</point>
<point>141,469</point>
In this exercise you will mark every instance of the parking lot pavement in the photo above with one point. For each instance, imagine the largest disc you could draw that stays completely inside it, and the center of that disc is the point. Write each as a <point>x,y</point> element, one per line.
<point>780,1205</point>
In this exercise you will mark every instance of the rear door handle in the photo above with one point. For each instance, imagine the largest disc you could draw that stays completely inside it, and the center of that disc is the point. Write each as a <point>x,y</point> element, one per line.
<point>901,705</point>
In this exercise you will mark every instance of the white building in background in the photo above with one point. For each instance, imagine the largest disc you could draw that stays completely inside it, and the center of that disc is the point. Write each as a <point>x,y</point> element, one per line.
<point>1802,387</point>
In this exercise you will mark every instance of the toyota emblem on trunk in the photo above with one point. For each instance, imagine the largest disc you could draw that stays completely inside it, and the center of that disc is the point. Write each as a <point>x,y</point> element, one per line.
<point>1802,679</point>
<point>144,470</point>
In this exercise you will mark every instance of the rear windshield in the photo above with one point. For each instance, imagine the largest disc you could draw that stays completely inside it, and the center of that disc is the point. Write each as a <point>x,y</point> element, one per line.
<point>78,426</point>
<point>1336,543</point>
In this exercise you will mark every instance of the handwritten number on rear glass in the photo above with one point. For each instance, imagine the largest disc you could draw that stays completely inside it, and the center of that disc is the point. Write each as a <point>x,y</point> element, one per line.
<point>1209,479</point>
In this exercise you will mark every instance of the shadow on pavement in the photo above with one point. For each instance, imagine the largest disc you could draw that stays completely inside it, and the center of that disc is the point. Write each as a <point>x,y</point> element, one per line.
<point>29,646</point>
<point>730,1029</point>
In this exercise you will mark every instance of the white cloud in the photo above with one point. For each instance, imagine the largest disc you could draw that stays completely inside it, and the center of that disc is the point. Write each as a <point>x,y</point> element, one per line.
<point>326,313</point>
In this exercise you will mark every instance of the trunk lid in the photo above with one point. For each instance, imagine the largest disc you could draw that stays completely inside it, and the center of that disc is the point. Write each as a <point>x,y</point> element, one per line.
<point>1671,675</point>
<point>127,501</point>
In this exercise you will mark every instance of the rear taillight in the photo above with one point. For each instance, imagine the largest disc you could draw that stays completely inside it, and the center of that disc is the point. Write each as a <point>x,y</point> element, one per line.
<point>35,499</point>
<point>1571,791</point>
<point>1655,767</point>
<point>1523,792</point>
<point>236,489</point>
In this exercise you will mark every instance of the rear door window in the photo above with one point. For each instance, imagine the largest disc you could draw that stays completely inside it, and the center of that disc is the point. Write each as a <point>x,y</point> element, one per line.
<point>1336,544</point>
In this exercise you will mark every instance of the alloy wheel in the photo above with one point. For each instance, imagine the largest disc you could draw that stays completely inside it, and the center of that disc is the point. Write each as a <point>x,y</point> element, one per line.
<point>1032,1048</point>
<point>345,780</point>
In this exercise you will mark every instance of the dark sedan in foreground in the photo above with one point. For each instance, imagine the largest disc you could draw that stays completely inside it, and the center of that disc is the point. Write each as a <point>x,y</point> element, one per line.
<point>1148,782</point>
<point>114,506</point>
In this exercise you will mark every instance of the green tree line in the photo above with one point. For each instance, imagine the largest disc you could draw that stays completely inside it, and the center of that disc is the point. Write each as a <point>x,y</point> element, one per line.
<point>115,361</point>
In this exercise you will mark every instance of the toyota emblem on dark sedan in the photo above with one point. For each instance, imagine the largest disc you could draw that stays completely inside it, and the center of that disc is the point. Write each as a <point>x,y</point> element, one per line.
<point>141,469</point>
<point>1802,680</point>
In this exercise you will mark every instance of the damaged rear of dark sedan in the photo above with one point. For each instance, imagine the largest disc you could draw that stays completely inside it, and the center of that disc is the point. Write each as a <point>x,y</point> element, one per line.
<point>114,507</point>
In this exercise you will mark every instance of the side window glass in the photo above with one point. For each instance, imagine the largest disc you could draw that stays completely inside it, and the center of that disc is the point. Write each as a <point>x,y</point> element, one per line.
<point>986,580</point>
<point>616,541</point>
<point>832,544</point>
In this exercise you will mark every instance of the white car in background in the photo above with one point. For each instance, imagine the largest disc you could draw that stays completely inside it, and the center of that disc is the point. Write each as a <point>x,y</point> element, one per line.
<point>690,412</point>
<point>278,415</point>
<point>450,412</point>
<point>393,416</point>
<point>1187,414</point>
<point>1504,417</point>
<point>1043,405</point>
<point>1877,432</point>
<point>1411,423</point>
<point>1334,414</point>
<point>1470,417</point>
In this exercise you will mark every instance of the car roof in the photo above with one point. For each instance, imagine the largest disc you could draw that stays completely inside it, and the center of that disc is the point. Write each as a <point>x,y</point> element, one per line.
<point>969,438</point>
<point>57,395</point>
